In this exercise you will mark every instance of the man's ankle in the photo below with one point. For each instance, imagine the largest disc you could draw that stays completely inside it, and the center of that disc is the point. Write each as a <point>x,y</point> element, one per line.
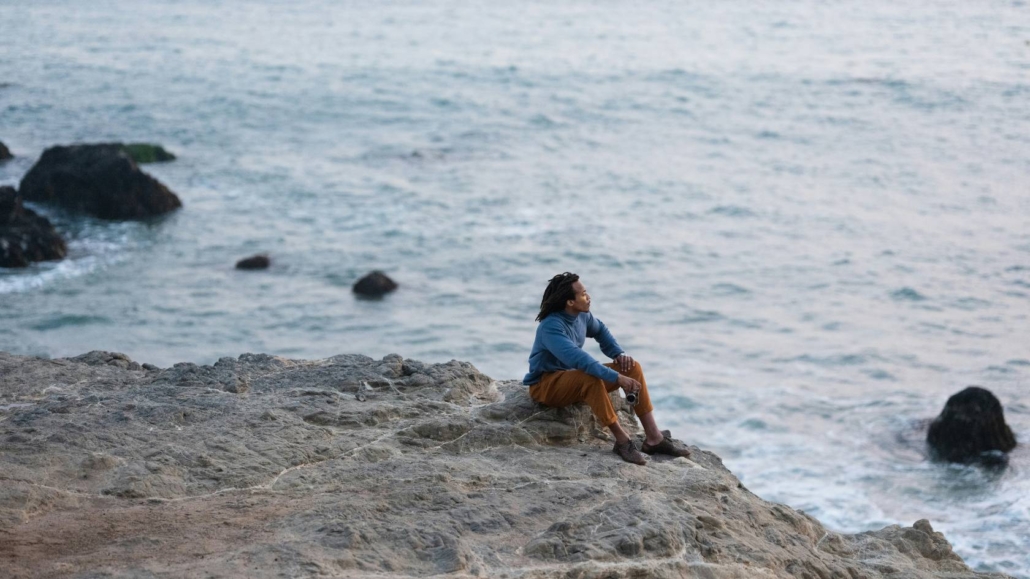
<point>652,440</point>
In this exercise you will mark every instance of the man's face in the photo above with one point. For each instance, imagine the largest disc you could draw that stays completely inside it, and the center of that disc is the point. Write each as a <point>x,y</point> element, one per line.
<point>581,303</point>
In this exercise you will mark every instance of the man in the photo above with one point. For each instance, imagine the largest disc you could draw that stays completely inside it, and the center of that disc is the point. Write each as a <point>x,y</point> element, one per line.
<point>561,373</point>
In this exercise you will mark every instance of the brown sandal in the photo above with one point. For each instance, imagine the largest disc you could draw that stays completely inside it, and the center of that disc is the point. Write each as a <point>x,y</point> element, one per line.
<point>668,445</point>
<point>628,452</point>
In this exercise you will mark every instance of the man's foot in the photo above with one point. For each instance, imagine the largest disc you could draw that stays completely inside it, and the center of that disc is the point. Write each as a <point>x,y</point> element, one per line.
<point>628,452</point>
<point>668,446</point>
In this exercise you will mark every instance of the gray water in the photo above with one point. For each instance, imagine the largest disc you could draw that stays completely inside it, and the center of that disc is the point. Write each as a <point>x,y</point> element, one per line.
<point>809,220</point>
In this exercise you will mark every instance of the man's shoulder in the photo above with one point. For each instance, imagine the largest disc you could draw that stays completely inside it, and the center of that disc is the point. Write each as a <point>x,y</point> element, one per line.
<point>554,319</point>
<point>553,323</point>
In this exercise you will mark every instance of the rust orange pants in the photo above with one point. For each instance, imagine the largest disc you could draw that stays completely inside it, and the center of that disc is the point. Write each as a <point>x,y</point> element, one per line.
<point>559,389</point>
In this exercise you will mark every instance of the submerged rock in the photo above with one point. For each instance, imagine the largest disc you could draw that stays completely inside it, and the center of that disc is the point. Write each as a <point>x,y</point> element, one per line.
<point>375,284</point>
<point>5,153</point>
<point>355,467</point>
<point>254,262</point>
<point>971,424</point>
<point>100,180</point>
<point>147,153</point>
<point>25,236</point>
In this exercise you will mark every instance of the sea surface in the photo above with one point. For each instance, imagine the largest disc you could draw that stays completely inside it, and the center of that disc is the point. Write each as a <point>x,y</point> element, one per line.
<point>809,220</point>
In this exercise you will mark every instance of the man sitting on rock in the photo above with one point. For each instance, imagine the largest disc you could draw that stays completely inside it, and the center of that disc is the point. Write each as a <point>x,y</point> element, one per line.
<point>561,373</point>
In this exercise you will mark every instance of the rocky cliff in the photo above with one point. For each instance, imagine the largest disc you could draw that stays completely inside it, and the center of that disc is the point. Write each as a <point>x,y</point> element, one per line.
<point>352,467</point>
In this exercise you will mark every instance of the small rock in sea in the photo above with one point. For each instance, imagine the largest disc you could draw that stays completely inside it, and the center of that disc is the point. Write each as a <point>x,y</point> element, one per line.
<point>5,153</point>
<point>25,236</point>
<point>374,284</point>
<point>100,180</point>
<point>147,153</point>
<point>972,423</point>
<point>254,262</point>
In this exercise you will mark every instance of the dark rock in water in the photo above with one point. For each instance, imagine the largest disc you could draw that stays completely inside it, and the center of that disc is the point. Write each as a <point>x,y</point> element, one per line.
<point>972,423</point>
<point>147,153</point>
<point>254,262</point>
<point>374,284</point>
<point>101,180</point>
<point>5,153</point>
<point>25,236</point>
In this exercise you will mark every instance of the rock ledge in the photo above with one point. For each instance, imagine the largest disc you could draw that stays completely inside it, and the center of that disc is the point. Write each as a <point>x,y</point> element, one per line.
<point>261,466</point>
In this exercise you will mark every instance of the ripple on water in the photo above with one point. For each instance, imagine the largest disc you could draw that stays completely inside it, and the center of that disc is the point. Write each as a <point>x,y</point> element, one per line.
<point>731,211</point>
<point>907,294</point>
<point>68,320</point>
<point>729,289</point>
<point>835,360</point>
<point>698,317</point>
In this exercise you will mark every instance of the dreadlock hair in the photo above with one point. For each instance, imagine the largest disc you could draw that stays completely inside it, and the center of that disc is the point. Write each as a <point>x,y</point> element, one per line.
<point>559,290</point>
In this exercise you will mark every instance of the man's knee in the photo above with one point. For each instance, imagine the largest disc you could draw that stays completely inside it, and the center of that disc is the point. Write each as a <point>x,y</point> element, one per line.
<point>636,369</point>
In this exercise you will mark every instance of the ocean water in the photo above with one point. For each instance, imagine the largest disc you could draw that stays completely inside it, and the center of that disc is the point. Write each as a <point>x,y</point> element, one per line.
<point>809,220</point>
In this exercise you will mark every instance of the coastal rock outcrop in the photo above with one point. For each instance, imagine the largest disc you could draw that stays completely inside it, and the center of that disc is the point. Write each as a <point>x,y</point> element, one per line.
<point>254,262</point>
<point>5,153</point>
<point>100,180</point>
<point>971,424</point>
<point>25,236</point>
<point>261,466</point>
<point>375,284</point>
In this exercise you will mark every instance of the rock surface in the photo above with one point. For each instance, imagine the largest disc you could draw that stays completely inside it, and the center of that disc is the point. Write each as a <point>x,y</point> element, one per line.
<point>262,466</point>
<point>100,180</point>
<point>25,236</point>
<point>375,284</point>
<point>147,153</point>
<point>5,153</point>
<point>254,262</point>
<point>971,424</point>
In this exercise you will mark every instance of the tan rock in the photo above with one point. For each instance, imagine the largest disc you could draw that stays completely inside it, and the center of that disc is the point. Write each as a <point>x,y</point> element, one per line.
<point>351,467</point>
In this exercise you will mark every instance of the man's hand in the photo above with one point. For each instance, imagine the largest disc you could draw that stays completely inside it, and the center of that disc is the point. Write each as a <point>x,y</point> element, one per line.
<point>625,362</point>
<point>628,384</point>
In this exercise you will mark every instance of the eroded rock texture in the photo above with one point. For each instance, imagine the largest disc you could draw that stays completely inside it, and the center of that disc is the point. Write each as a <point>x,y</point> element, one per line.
<point>100,180</point>
<point>25,236</point>
<point>971,424</point>
<point>260,466</point>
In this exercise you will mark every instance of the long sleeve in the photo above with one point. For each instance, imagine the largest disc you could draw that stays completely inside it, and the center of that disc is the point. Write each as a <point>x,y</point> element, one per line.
<point>567,352</point>
<point>598,331</point>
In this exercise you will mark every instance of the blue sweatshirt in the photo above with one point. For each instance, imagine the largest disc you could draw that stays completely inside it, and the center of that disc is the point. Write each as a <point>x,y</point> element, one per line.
<point>559,346</point>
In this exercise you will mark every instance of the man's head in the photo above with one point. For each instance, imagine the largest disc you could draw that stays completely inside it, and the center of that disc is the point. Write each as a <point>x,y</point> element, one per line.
<point>564,293</point>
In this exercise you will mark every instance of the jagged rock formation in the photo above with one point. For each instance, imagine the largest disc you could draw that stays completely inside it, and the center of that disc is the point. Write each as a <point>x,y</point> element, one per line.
<point>352,467</point>
<point>375,284</point>
<point>971,424</point>
<point>5,153</point>
<point>100,180</point>
<point>254,262</point>
<point>25,236</point>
